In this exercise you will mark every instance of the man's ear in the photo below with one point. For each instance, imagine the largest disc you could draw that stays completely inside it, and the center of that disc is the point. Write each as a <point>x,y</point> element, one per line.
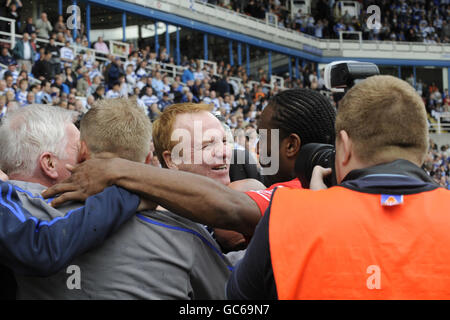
<point>293,144</point>
<point>167,156</point>
<point>47,163</point>
<point>148,158</point>
<point>346,147</point>
<point>84,153</point>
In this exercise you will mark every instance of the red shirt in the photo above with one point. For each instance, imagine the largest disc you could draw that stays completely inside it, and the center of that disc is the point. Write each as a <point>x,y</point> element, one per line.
<point>262,197</point>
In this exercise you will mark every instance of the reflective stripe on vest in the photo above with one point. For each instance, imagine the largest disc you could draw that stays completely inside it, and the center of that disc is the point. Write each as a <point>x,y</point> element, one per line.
<point>343,244</point>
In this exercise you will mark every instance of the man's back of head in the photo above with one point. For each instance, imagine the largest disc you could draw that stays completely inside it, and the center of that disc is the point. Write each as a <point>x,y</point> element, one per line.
<point>116,127</point>
<point>386,120</point>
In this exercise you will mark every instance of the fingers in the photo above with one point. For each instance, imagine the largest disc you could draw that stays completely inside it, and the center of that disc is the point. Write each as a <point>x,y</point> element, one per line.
<point>69,196</point>
<point>58,189</point>
<point>70,167</point>
<point>317,179</point>
<point>321,171</point>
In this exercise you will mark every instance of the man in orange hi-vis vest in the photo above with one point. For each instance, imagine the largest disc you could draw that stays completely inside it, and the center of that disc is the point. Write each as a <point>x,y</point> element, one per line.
<point>381,233</point>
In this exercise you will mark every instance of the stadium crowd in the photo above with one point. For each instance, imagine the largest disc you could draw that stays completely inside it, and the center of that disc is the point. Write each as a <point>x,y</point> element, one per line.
<point>437,164</point>
<point>401,20</point>
<point>71,77</point>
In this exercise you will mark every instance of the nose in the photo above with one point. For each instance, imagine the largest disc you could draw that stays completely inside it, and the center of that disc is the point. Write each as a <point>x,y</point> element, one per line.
<point>222,152</point>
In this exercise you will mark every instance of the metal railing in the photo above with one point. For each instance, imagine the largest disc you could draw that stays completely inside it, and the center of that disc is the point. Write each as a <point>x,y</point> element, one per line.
<point>382,45</point>
<point>441,127</point>
<point>280,32</point>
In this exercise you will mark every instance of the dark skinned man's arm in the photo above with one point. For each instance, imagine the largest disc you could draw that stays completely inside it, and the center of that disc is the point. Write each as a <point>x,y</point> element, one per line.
<point>192,196</point>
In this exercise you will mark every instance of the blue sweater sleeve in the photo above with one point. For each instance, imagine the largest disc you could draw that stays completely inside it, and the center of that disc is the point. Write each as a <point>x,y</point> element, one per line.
<point>30,246</point>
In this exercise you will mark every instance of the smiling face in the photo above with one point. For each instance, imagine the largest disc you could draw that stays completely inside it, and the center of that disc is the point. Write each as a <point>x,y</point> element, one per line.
<point>208,153</point>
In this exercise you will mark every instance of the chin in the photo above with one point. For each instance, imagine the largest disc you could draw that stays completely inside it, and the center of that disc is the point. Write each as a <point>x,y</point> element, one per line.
<point>222,177</point>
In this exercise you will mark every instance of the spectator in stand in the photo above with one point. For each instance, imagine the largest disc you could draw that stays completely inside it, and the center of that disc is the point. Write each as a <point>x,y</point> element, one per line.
<point>199,75</point>
<point>88,58</point>
<point>9,80</point>
<point>66,55</point>
<point>114,92</point>
<point>44,95</point>
<point>13,12</point>
<point>157,84</point>
<point>68,36</point>
<point>164,102</point>
<point>6,58</point>
<point>42,69</point>
<point>60,25</point>
<point>55,60</point>
<point>141,69</point>
<point>149,102</point>
<point>101,46</point>
<point>30,27</point>
<point>33,41</point>
<point>114,71</point>
<point>123,86</point>
<point>43,26</point>
<point>437,164</point>
<point>24,52</point>
<point>30,99</point>
<point>131,78</point>
<point>222,86</point>
<point>214,100</point>
<point>96,82</point>
<point>99,93</point>
<point>166,84</point>
<point>188,74</point>
<point>22,92</point>
<point>70,78</point>
<point>83,84</point>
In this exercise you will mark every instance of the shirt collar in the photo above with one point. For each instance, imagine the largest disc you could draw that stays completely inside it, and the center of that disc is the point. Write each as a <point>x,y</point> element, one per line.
<point>397,177</point>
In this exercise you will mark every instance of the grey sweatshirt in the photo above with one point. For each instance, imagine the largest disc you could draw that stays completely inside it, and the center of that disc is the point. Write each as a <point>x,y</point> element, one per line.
<point>155,255</point>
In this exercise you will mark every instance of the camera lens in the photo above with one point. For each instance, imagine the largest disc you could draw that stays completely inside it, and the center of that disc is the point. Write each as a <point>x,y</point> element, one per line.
<point>311,155</point>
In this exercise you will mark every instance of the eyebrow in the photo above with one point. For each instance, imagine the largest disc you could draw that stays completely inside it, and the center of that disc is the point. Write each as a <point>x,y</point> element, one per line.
<point>204,142</point>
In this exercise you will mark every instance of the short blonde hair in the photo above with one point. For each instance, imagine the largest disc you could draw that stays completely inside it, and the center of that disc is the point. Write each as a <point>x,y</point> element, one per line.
<point>386,120</point>
<point>118,126</point>
<point>163,126</point>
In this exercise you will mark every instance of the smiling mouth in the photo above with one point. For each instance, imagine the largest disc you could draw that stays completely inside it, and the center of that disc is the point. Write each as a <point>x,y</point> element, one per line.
<point>220,168</point>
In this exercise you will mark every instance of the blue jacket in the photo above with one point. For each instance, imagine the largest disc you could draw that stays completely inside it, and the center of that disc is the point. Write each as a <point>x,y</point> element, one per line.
<point>187,75</point>
<point>36,247</point>
<point>18,51</point>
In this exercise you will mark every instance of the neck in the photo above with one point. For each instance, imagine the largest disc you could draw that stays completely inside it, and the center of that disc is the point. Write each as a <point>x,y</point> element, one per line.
<point>103,155</point>
<point>39,180</point>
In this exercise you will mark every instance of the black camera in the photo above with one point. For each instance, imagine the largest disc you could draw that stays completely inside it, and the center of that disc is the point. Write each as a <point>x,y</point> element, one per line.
<point>339,77</point>
<point>315,154</point>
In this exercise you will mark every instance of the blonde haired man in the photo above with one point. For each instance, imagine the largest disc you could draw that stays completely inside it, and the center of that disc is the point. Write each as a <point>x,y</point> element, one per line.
<point>155,255</point>
<point>380,234</point>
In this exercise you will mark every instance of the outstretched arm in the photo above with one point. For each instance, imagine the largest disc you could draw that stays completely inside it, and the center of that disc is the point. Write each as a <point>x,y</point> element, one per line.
<point>195,197</point>
<point>41,248</point>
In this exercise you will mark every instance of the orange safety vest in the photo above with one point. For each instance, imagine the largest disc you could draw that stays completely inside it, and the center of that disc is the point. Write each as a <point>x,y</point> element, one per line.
<point>343,244</point>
